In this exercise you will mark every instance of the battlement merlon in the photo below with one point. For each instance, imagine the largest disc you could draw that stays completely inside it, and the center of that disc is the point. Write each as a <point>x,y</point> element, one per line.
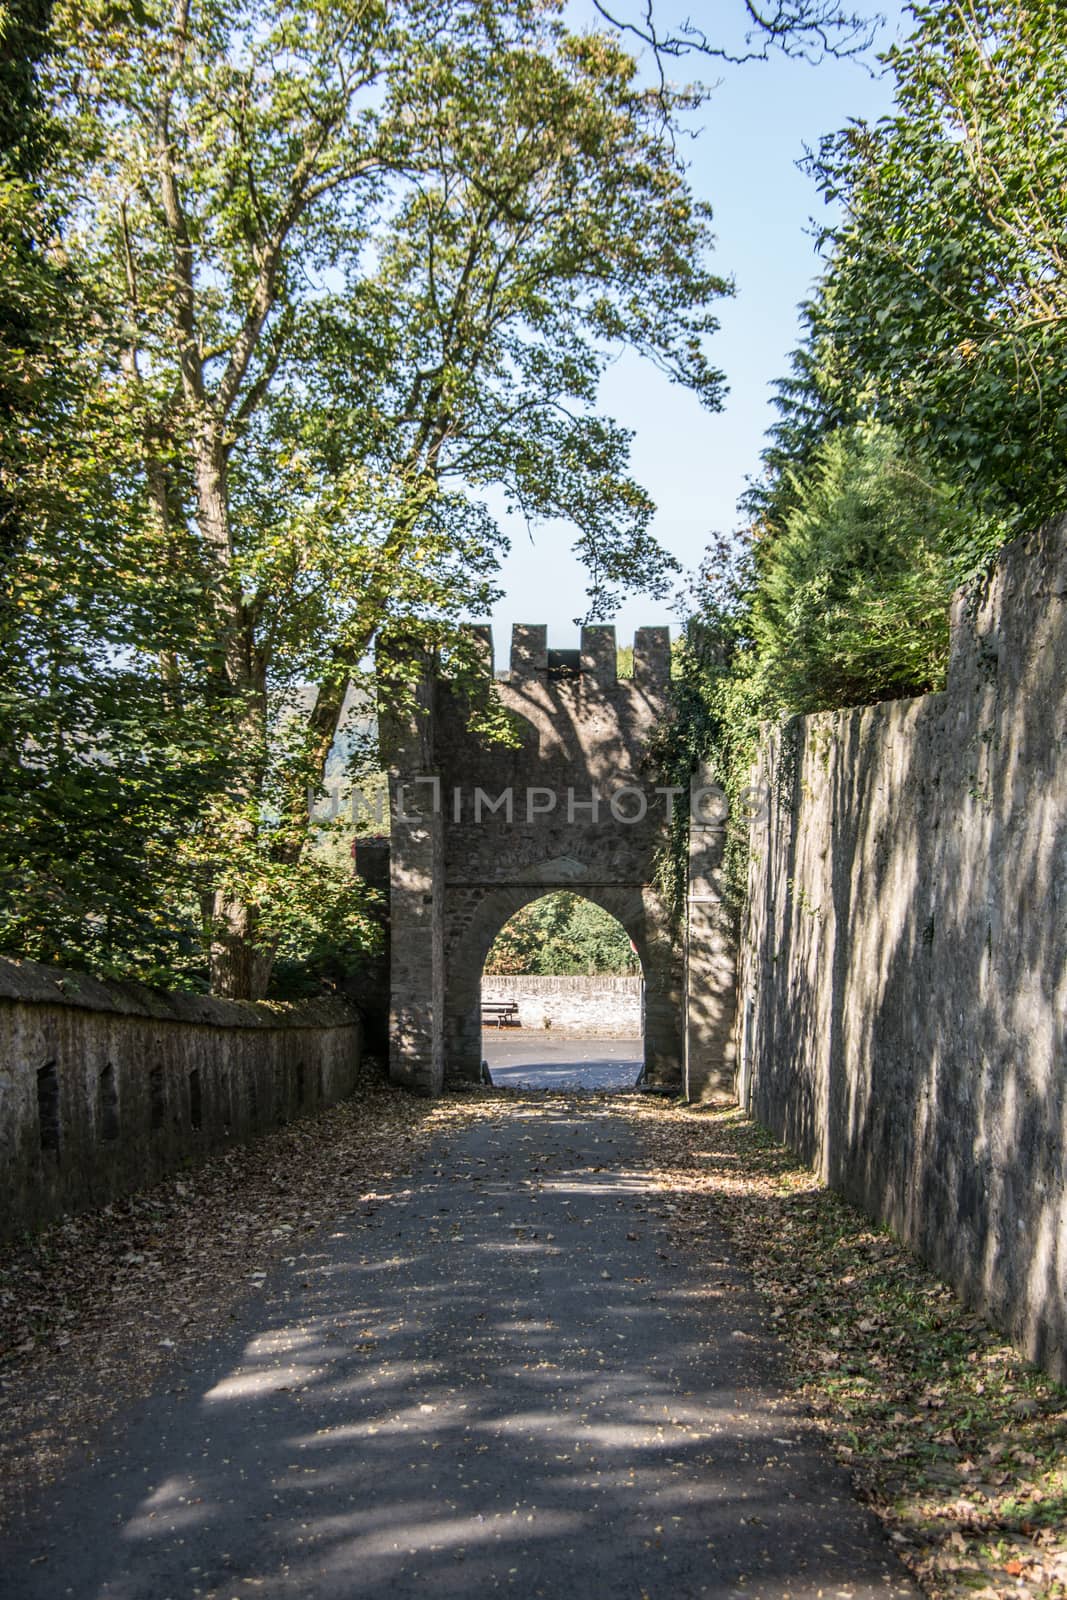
<point>652,658</point>
<point>480,636</point>
<point>406,671</point>
<point>529,652</point>
<point>599,657</point>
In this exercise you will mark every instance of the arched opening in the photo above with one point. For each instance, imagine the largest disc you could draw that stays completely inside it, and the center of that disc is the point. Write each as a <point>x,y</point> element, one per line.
<point>562,998</point>
<point>475,917</point>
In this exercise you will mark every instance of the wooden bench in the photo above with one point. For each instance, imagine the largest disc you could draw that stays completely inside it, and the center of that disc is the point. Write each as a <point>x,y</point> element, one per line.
<point>505,1013</point>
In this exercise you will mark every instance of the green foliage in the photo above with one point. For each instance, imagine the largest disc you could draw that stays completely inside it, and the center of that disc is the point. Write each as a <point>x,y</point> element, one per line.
<point>299,284</point>
<point>944,308</point>
<point>925,417</point>
<point>343,279</point>
<point>838,597</point>
<point>31,288</point>
<point>317,922</point>
<point>95,815</point>
<point>562,933</point>
<point>329,279</point>
<point>809,408</point>
<point>99,766</point>
<point>850,600</point>
<point>719,696</point>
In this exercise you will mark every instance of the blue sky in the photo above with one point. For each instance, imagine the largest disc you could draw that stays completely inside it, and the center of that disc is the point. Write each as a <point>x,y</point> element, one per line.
<point>753,133</point>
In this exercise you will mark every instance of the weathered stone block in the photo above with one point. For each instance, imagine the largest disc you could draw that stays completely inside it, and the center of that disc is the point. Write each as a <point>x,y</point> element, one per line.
<point>529,652</point>
<point>652,659</point>
<point>599,656</point>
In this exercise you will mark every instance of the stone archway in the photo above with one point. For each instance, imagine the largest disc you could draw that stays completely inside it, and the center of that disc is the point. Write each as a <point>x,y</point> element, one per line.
<point>478,831</point>
<point>466,954</point>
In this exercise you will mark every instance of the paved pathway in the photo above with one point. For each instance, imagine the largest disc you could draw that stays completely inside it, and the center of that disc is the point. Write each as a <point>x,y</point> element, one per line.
<point>499,1379</point>
<point>525,1058</point>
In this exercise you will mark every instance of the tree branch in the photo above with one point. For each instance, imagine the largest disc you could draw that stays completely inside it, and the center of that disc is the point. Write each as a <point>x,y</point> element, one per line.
<point>806,29</point>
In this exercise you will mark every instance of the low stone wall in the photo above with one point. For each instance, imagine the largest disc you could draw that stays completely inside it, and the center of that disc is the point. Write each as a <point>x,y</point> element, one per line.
<point>610,1008</point>
<point>903,956</point>
<point>107,1087</point>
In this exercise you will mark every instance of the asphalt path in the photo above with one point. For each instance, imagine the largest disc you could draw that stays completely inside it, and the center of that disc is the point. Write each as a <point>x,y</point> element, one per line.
<point>528,1058</point>
<point>497,1377</point>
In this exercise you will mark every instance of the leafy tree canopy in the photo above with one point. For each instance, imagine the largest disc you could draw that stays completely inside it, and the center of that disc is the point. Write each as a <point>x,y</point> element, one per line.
<point>340,270</point>
<point>562,934</point>
<point>944,308</point>
<point>923,422</point>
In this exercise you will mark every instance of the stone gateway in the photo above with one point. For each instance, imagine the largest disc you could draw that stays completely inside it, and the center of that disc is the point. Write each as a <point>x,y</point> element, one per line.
<point>478,830</point>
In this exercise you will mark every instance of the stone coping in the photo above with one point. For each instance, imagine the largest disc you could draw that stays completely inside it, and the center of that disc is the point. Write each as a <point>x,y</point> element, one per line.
<point>32,983</point>
<point>563,981</point>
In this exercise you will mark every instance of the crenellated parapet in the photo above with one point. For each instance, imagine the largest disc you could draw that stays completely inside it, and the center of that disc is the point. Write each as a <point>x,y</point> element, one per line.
<point>584,724</point>
<point>593,663</point>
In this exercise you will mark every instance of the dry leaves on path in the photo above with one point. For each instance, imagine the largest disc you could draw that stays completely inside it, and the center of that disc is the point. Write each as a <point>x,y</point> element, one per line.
<point>94,1307</point>
<point>957,1442</point>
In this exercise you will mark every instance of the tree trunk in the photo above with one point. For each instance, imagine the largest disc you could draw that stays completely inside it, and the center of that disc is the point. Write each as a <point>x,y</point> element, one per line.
<point>239,971</point>
<point>239,965</point>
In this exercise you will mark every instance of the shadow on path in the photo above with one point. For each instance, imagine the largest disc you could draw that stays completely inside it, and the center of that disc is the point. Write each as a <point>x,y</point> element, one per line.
<point>495,1377</point>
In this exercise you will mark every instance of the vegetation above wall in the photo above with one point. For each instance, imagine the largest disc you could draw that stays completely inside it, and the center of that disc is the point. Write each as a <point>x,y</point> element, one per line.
<point>924,421</point>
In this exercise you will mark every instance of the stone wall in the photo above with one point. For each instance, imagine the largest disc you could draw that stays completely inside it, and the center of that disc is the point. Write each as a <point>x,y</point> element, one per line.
<point>903,956</point>
<point>107,1087</point>
<point>604,1007</point>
